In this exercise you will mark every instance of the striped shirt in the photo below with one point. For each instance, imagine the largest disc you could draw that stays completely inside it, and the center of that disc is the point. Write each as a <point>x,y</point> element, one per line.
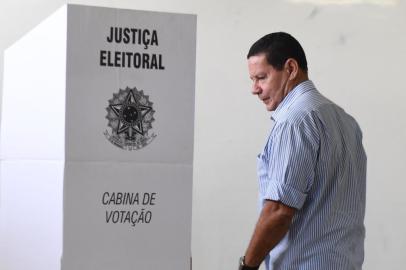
<point>314,161</point>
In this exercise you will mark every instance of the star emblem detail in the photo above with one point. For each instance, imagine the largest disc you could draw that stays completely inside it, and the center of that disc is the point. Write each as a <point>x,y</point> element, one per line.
<point>131,114</point>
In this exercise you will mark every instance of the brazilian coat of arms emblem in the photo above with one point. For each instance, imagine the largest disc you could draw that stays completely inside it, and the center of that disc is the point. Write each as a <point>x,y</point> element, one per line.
<point>130,115</point>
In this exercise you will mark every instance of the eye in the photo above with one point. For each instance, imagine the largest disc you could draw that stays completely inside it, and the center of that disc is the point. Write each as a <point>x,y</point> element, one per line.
<point>258,78</point>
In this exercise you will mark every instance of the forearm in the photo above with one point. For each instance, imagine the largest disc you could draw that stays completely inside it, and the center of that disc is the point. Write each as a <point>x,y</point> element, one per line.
<point>272,225</point>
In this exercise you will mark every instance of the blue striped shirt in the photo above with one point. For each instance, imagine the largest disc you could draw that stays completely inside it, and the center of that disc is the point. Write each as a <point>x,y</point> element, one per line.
<point>314,161</point>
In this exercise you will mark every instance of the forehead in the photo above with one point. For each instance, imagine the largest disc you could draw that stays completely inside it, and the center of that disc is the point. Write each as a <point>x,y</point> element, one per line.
<point>258,64</point>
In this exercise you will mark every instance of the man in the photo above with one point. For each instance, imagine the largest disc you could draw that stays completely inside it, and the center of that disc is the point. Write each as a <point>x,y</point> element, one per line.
<point>312,170</point>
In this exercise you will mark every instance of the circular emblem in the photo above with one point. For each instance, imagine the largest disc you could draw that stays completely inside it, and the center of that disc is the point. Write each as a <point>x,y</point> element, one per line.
<point>130,116</point>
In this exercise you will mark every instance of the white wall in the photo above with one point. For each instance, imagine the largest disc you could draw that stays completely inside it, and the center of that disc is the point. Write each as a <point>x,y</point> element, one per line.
<point>356,55</point>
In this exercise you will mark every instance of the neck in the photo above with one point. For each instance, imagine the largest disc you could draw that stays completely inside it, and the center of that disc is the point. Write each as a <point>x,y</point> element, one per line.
<point>301,77</point>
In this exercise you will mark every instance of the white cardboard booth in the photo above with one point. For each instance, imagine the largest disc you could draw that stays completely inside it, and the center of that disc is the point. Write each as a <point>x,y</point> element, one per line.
<point>97,142</point>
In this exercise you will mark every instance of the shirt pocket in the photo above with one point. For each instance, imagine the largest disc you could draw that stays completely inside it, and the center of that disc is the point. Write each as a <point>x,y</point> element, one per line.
<point>263,166</point>
<point>262,170</point>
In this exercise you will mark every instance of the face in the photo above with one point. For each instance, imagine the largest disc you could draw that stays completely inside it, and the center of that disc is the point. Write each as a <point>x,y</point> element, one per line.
<point>269,84</point>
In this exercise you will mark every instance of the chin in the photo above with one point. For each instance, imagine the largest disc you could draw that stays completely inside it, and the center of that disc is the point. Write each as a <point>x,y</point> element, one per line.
<point>270,108</point>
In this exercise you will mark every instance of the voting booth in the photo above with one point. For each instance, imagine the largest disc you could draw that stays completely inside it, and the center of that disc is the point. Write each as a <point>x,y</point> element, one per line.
<point>97,142</point>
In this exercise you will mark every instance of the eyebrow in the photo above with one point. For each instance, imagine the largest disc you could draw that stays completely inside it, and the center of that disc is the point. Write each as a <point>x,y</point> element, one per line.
<point>258,75</point>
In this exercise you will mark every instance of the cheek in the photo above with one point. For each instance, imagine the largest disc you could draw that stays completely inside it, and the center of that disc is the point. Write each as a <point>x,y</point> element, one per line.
<point>267,87</point>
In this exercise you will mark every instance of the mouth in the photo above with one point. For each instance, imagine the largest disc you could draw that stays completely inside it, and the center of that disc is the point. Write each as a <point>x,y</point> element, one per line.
<point>265,100</point>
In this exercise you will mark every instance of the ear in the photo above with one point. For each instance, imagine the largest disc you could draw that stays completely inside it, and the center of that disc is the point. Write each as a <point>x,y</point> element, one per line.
<point>292,68</point>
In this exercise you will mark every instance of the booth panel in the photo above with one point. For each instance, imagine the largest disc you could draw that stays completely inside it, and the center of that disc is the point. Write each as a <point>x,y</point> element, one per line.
<point>127,216</point>
<point>31,214</point>
<point>130,85</point>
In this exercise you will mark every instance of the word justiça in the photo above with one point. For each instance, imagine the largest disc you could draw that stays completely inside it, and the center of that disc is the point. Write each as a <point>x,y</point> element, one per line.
<point>131,59</point>
<point>133,36</point>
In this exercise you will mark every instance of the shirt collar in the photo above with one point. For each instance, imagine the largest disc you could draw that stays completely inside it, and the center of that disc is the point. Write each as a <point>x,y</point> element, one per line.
<point>297,91</point>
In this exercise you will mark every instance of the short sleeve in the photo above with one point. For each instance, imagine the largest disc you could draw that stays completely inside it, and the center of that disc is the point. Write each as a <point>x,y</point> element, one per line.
<point>292,158</point>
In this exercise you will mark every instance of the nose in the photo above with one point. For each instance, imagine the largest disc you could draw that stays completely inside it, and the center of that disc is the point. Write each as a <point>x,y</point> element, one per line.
<point>255,88</point>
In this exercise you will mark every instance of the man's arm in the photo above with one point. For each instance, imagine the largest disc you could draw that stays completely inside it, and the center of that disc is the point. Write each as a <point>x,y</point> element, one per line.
<point>272,225</point>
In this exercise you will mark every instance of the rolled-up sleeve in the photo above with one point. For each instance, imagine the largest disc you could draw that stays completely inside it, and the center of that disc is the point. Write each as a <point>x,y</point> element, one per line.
<point>292,157</point>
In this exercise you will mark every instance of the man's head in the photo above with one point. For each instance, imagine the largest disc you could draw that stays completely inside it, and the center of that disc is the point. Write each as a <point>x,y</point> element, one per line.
<point>276,64</point>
